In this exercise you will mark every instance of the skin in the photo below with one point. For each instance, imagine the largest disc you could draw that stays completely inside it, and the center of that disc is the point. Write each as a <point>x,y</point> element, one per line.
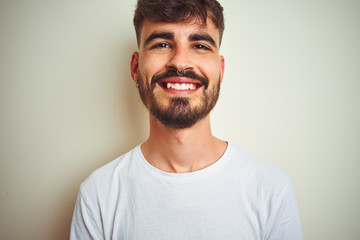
<point>186,45</point>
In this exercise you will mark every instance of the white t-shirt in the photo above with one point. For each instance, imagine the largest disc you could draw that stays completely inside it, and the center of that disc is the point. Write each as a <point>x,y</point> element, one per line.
<point>237,197</point>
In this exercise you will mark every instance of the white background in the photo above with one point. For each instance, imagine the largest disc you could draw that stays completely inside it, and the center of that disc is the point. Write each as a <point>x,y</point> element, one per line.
<point>290,96</point>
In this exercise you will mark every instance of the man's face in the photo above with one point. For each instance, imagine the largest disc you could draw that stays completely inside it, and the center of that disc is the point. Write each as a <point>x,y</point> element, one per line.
<point>179,71</point>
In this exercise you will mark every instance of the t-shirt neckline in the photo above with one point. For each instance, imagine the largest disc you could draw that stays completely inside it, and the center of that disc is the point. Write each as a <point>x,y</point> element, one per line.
<point>188,175</point>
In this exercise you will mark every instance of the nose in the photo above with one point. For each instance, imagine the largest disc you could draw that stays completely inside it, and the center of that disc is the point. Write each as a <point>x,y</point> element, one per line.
<point>180,60</point>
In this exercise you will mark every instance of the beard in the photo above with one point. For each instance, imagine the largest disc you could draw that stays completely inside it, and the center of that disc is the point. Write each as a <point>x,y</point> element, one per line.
<point>179,113</point>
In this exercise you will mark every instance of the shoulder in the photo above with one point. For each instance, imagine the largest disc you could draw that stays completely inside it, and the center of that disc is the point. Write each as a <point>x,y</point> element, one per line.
<point>109,175</point>
<point>273,192</point>
<point>256,170</point>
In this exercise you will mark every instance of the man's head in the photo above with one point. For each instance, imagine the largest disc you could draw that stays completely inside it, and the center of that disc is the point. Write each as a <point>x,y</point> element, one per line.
<point>178,67</point>
<point>178,11</point>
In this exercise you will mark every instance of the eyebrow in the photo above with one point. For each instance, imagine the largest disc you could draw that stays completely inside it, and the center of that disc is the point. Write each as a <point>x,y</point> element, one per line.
<point>164,35</point>
<point>202,37</point>
<point>170,36</point>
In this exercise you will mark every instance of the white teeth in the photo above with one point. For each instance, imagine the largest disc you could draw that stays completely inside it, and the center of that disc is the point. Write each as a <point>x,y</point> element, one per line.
<point>182,86</point>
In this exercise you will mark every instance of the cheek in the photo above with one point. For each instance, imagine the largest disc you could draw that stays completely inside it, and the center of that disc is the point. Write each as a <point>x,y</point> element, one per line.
<point>211,70</point>
<point>151,65</point>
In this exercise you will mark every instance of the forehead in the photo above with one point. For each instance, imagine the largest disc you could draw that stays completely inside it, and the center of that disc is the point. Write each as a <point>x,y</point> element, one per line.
<point>179,29</point>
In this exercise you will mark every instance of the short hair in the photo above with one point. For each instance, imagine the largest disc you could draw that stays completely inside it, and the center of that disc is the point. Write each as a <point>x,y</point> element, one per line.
<point>178,11</point>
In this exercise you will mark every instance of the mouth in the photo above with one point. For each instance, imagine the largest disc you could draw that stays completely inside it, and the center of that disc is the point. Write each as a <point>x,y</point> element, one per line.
<point>180,85</point>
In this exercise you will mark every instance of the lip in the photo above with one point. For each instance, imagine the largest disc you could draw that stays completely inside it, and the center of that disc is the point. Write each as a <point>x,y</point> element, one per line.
<point>180,80</point>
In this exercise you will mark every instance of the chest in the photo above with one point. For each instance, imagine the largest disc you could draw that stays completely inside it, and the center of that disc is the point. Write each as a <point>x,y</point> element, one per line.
<point>211,209</point>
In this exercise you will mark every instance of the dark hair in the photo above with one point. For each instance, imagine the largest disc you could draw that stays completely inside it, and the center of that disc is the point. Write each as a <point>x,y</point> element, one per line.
<point>178,11</point>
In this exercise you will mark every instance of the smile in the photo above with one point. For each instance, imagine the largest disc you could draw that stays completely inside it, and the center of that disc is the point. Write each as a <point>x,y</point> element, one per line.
<point>180,85</point>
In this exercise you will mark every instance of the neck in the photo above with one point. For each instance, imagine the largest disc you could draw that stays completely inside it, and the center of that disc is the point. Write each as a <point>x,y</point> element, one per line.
<point>182,150</point>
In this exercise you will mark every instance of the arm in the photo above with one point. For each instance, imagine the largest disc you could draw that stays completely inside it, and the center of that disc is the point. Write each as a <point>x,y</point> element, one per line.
<point>284,224</point>
<point>83,225</point>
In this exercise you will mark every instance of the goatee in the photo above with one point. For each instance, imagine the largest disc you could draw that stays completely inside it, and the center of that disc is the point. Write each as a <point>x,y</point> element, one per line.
<point>179,114</point>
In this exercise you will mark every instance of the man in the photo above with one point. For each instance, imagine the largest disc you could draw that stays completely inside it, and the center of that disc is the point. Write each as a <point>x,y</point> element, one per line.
<point>183,183</point>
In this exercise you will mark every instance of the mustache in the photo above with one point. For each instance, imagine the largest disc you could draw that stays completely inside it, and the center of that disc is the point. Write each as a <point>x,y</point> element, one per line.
<point>175,73</point>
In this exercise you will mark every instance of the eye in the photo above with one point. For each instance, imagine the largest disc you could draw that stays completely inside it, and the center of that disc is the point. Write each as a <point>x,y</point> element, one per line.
<point>161,46</point>
<point>201,47</point>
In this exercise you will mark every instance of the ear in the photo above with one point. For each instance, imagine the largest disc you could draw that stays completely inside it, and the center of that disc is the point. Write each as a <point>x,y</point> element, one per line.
<point>222,68</point>
<point>134,65</point>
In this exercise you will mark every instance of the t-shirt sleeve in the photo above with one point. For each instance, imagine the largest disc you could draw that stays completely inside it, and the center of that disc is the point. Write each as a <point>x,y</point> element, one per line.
<point>83,224</point>
<point>285,223</point>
